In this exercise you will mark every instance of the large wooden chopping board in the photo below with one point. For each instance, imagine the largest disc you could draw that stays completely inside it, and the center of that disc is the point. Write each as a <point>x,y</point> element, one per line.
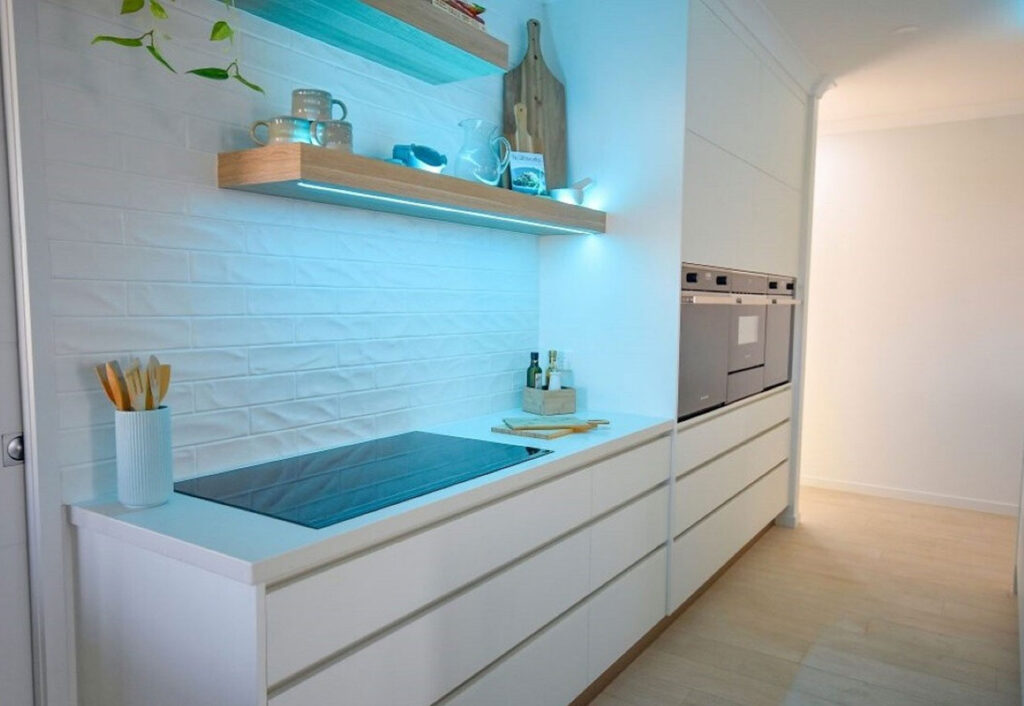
<point>533,84</point>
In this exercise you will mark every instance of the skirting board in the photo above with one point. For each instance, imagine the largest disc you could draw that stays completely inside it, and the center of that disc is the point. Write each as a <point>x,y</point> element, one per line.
<point>917,496</point>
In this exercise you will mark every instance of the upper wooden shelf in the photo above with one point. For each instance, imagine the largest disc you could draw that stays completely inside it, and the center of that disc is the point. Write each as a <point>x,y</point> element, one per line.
<point>302,171</point>
<point>411,36</point>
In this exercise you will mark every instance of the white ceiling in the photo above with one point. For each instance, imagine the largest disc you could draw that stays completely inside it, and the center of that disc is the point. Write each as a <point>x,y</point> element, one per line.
<point>966,58</point>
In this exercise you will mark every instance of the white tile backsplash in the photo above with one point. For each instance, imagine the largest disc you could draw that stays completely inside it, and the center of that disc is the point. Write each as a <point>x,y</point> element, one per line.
<point>290,325</point>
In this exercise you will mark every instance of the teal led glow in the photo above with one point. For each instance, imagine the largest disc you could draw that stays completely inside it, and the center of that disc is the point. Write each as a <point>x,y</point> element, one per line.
<point>442,209</point>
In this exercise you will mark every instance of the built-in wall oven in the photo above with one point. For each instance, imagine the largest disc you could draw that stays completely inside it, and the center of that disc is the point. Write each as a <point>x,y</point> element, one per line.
<point>735,336</point>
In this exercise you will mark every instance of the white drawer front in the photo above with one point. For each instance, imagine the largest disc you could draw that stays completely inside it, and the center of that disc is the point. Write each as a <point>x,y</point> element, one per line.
<point>624,611</point>
<point>705,489</point>
<point>425,659</point>
<point>627,475</point>
<point>626,535</point>
<point>550,670</point>
<point>706,547</point>
<point>701,442</point>
<point>312,618</point>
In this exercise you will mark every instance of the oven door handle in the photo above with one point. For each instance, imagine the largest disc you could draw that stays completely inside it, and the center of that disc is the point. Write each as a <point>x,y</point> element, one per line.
<point>784,301</point>
<point>708,298</point>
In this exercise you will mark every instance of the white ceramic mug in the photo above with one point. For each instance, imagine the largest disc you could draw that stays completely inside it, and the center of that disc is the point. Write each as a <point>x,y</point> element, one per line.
<point>314,104</point>
<point>332,134</point>
<point>281,130</point>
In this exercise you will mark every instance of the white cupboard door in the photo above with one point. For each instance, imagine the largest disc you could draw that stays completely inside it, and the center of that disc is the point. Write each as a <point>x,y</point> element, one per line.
<point>15,625</point>
<point>425,659</point>
<point>704,548</point>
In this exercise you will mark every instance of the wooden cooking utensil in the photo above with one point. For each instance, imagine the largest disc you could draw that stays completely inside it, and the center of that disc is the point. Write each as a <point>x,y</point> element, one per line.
<point>165,382</point>
<point>118,386</point>
<point>152,383</point>
<point>534,433</point>
<point>101,373</point>
<point>136,392</point>
<point>533,84</point>
<point>523,140</point>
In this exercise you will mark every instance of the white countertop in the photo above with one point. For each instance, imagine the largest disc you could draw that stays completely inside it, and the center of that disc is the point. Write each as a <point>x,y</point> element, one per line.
<point>253,548</point>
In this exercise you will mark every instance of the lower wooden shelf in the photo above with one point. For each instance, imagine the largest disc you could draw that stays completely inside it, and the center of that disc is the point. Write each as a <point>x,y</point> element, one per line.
<point>310,173</point>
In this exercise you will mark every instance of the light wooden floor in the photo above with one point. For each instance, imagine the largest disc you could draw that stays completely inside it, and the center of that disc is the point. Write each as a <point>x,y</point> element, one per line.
<point>871,601</point>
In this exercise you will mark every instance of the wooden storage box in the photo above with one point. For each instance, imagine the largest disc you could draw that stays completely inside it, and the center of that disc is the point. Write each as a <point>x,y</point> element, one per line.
<point>549,401</point>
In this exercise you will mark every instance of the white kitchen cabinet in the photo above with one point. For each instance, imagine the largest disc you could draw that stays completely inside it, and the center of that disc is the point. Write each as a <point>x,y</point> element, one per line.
<point>711,435</point>
<point>418,617</point>
<point>401,577</point>
<point>622,537</point>
<point>623,613</point>
<point>425,659</point>
<point>550,669</point>
<point>722,77</point>
<point>701,491</point>
<point>704,548</point>
<point>628,475</point>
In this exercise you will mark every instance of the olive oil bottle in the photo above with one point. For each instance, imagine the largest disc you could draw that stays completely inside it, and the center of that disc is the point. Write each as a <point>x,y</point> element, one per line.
<point>534,375</point>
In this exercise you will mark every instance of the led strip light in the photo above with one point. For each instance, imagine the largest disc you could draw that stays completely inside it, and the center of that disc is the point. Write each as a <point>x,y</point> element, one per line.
<point>442,209</point>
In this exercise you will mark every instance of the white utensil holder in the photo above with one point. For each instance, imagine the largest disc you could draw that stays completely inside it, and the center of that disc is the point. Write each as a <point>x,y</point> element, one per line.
<point>144,466</point>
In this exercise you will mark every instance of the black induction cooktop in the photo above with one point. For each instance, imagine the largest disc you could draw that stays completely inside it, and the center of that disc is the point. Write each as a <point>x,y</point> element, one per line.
<point>323,488</point>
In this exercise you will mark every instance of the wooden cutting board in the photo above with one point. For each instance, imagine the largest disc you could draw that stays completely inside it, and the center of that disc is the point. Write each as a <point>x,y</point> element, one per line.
<point>533,84</point>
<point>534,433</point>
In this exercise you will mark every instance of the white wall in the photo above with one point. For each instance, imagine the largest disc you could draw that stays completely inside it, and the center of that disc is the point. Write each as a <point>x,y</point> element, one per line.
<point>916,336</point>
<point>290,325</point>
<point>612,299</point>
<point>746,134</point>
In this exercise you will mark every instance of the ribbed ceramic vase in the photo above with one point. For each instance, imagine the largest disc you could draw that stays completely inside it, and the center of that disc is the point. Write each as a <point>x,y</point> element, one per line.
<point>144,465</point>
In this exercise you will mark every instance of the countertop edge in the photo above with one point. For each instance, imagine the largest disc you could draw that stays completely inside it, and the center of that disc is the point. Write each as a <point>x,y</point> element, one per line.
<point>289,564</point>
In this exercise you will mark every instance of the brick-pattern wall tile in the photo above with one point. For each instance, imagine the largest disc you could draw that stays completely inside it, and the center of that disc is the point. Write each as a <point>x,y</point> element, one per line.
<point>290,325</point>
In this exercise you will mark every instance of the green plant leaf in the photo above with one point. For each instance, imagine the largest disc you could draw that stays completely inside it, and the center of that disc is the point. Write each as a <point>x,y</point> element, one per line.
<point>130,6</point>
<point>123,41</point>
<point>211,72</point>
<point>248,84</point>
<point>221,31</point>
<point>157,9</point>
<point>155,53</point>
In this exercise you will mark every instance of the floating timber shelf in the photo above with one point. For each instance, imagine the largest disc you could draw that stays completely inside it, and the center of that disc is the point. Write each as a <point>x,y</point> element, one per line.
<point>310,173</point>
<point>411,36</point>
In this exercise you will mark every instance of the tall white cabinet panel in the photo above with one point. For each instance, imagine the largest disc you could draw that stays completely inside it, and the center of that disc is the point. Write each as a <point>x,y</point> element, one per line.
<point>722,77</point>
<point>159,632</point>
<point>782,130</point>
<point>718,203</point>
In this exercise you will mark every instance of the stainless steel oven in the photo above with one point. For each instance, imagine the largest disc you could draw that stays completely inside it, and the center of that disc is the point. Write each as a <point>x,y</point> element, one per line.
<point>735,336</point>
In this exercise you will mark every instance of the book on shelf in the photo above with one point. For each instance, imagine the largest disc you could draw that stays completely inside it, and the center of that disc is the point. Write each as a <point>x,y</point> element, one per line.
<point>461,15</point>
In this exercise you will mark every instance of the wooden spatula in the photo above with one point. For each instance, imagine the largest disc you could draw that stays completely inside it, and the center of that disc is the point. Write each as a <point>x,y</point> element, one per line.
<point>165,382</point>
<point>101,373</point>
<point>152,383</point>
<point>118,387</point>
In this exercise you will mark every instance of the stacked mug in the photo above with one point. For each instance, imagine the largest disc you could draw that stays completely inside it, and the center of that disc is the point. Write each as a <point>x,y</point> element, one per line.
<point>312,121</point>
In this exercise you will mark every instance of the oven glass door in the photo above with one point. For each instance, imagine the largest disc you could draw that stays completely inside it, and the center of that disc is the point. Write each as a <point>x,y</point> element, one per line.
<point>703,353</point>
<point>746,336</point>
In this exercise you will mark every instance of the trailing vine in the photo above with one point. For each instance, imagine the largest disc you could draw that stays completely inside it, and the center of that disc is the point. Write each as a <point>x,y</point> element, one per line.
<point>220,32</point>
